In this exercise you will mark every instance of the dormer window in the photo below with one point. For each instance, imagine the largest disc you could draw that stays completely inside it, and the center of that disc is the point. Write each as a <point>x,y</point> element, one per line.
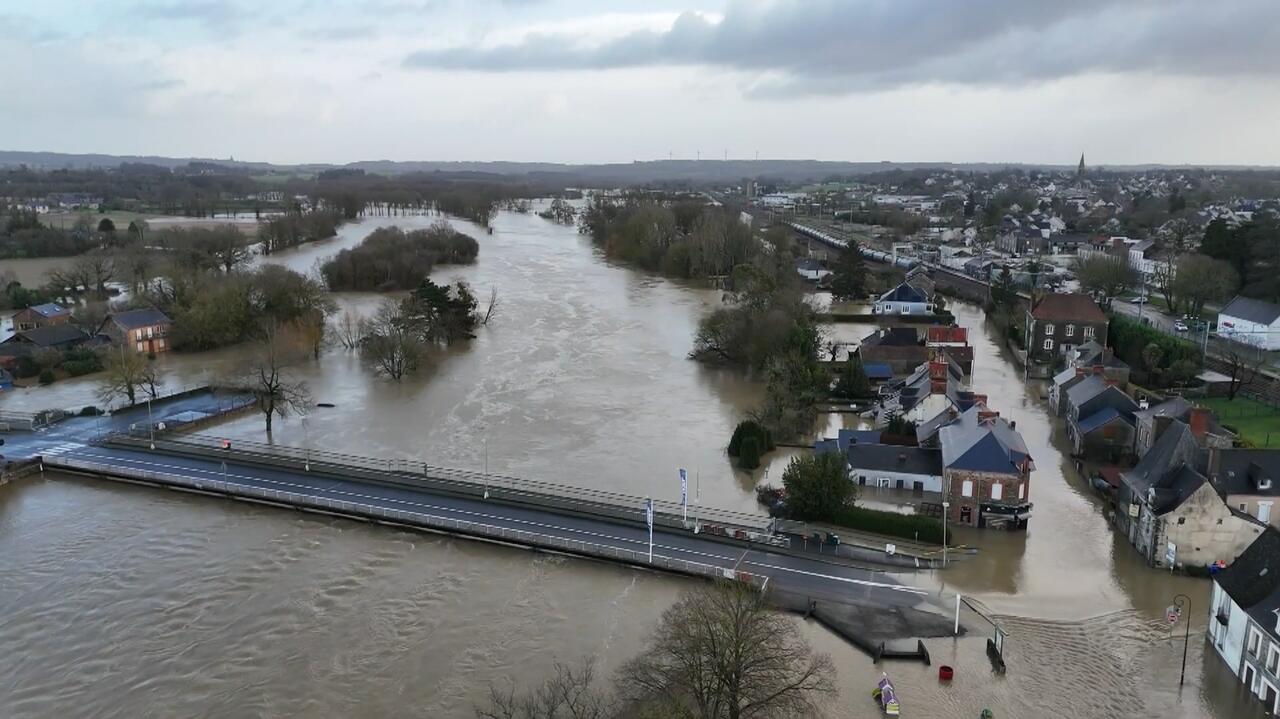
<point>1264,483</point>
<point>1048,330</point>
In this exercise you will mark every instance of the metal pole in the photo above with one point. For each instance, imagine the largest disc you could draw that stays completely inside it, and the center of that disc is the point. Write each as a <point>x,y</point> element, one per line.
<point>957,631</point>
<point>946,506</point>
<point>306,445</point>
<point>151,425</point>
<point>486,465</point>
<point>1183,601</point>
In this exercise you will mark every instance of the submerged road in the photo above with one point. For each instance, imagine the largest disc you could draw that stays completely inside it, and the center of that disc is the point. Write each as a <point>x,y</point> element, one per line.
<point>69,446</point>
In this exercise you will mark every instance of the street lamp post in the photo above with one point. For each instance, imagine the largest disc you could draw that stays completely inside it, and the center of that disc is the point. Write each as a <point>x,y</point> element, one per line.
<point>151,425</point>
<point>946,506</point>
<point>1183,602</point>
<point>306,445</point>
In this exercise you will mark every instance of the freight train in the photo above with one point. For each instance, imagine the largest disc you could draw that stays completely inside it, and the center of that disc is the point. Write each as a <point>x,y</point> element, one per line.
<point>902,261</point>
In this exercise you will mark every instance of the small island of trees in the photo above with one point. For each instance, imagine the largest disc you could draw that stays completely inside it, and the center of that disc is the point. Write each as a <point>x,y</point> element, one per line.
<point>392,259</point>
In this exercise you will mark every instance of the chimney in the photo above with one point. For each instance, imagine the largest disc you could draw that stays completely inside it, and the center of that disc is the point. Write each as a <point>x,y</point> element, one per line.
<point>1098,369</point>
<point>1199,421</point>
<point>980,399</point>
<point>1013,424</point>
<point>986,415</point>
<point>1081,371</point>
<point>1111,382</point>
<point>938,386</point>
<point>938,370</point>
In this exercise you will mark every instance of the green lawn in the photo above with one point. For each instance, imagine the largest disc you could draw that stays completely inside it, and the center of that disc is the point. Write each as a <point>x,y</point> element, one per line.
<point>1257,423</point>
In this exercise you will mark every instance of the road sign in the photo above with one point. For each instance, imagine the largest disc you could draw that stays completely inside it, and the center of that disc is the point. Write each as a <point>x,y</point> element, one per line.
<point>1172,613</point>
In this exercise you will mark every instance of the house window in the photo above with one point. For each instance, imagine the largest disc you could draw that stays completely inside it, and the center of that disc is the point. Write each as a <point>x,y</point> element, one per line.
<point>997,491</point>
<point>1255,640</point>
<point>1273,659</point>
<point>1182,520</point>
<point>1048,330</point>
<point>1048,344</point>
<point>139,345</point>
<point>1070,331</point>
<point>1088,333</point>
<point>966,488</point>
<point>1022,490</point>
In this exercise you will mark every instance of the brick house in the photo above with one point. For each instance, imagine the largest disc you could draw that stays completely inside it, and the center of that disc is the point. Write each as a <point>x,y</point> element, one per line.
<point>45,315</point>
<point>986,470</point>
<point>1059,322</point>
<point>145,331</point>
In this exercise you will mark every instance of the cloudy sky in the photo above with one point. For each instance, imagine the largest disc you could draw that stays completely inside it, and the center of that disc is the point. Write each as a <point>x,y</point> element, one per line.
<point>609,81</point>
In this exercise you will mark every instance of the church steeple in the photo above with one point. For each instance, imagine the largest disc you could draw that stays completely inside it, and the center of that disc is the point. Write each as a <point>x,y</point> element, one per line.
<point>1080,168</point>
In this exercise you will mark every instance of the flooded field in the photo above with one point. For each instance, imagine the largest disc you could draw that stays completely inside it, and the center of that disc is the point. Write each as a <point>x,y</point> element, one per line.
<point>205,607</point>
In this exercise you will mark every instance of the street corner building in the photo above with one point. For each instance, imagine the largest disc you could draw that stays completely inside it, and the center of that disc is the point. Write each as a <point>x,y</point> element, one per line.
<point>986,470</point>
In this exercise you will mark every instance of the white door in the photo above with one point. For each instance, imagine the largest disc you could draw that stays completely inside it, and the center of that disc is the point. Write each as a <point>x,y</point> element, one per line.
<point>1264,512</point>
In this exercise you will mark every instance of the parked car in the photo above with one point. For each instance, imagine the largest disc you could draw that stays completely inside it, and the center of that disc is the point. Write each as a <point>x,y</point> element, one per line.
<point>1180,326</point>
<point>1139,300</point>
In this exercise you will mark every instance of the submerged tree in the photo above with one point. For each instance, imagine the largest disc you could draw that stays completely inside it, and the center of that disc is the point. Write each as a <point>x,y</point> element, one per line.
<point>268,379</point>
<point>849,275</point>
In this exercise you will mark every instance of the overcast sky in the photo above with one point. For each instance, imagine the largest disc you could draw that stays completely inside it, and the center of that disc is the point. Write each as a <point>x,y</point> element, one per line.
<point>1138,81</point>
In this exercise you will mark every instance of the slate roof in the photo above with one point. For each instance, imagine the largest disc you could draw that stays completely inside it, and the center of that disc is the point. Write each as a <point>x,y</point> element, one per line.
<point>1253,580</point>
<point>51,336</point>
<point>892,458</point>
<point>1099,419</point>
<point>904,293</point>
<point>1174,447</point>
<point>1068,308</point>
<point>1172,407</point>
<point>845,439</point>
<point>926,430</point>
<point>1251,310</point>
<point>133,319</point>
<point>991,446</point>
<point>49,309</point>
<point>1240,471</point>
<point>893,337</point>
<point>1091,387</point>
<point>1174,488</point>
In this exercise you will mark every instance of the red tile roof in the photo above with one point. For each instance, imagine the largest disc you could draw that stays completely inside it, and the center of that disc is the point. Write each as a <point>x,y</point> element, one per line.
<point>1068,308</point>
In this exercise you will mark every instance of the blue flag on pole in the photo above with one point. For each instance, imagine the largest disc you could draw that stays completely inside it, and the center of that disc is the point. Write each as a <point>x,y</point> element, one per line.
<point>684,486</point>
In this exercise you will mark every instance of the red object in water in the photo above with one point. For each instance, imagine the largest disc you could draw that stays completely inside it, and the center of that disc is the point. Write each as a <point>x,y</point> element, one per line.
<point>945,673</point>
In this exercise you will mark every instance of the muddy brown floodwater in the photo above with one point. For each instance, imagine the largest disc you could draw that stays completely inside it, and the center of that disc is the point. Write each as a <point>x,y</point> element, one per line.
<point>133,602</point>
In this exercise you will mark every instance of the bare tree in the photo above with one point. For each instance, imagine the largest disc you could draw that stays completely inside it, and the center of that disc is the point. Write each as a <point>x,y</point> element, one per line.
<point>567,695</point>
<point>311,328</point>
<point>1108,276</point>
<point>721,653</point>
<point>493,306</point>
<point>267,377</point>
<point>1243,364</point>
<point>126,373</point>
<point>392,344</point>
<point>349,329</point>
<point>97,269</point>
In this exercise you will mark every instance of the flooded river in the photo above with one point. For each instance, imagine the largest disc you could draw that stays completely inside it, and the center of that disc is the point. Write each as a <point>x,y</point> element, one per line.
<point>170,605</point>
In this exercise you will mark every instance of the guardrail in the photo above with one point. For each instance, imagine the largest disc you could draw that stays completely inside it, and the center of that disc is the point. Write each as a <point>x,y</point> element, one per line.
<point>417,519</point>
<point>723,522</point>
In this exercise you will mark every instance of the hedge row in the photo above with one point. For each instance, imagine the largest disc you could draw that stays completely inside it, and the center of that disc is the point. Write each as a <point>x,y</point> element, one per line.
<point>907,526</point>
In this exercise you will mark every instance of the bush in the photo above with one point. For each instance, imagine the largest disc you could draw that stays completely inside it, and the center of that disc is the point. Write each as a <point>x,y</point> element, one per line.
<point>750,428</point>
<point>749,453</point>
<point>90,411</point>
<point>1178,358</point>
<point>46,377</point>
<point>27,367</point>
<point>906,526</point>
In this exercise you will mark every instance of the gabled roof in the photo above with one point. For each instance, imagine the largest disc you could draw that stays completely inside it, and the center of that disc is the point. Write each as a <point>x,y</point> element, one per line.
<point>893,337</point>
<point>1068,308</point>
<point>1066,376</point>
<point>1175,447</point>
<point>1253,580</point>
<point>989,445</point>
<point>1091,387</point>
<point>904,293</point>
<point>50,336</point>
<point>133,319</point>
<point>49,309</point>
<point>1172,407</point>
<point>1247,471</point>
<point>1101,418</point>
<point>1250,310</point>
<point>892,458</point>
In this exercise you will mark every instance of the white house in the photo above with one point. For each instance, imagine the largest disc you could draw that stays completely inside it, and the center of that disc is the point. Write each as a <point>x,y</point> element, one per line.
<point>903,300</point>
<point>893,467</point>
<point>1251,322</point>
<point>1244,618</point>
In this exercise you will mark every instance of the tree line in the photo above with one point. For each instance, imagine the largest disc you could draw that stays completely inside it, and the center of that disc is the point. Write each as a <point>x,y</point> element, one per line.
<point>394,259</point>
<point>678,237</point>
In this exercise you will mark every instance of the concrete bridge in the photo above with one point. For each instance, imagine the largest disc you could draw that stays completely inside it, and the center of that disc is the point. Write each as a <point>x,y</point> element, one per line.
<point>571,520</point>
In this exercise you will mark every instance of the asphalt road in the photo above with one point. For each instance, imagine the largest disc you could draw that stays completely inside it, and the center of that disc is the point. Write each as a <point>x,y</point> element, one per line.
<point>809,576</point>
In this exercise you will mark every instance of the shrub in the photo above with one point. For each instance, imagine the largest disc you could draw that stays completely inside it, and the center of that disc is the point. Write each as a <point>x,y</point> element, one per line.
<point>90,411</point>
<point>46,377</point>
<point>906,526</point>
<point>749,453</point>
<point>27,367</point>
<point>750,428</point>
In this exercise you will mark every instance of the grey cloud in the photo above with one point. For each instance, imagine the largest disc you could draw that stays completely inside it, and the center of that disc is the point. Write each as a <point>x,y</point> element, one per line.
<point>201,10</point>
<point>841,46</point>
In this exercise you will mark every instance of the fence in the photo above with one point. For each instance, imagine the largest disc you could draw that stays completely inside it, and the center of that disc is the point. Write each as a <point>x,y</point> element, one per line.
<point>29,421</point>
<point>421,475</point>
<point>418,519</point>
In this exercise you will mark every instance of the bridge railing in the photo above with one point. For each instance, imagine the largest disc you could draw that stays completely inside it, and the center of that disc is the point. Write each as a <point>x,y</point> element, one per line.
<point>741,525</point>
<point>417,519</point>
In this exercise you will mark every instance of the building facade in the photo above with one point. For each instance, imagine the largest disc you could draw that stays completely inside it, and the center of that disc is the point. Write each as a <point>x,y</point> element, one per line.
<point>1060,322</point>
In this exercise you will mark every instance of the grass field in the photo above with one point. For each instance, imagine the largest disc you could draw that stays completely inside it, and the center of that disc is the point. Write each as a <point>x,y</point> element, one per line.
<point>1257,423</point>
